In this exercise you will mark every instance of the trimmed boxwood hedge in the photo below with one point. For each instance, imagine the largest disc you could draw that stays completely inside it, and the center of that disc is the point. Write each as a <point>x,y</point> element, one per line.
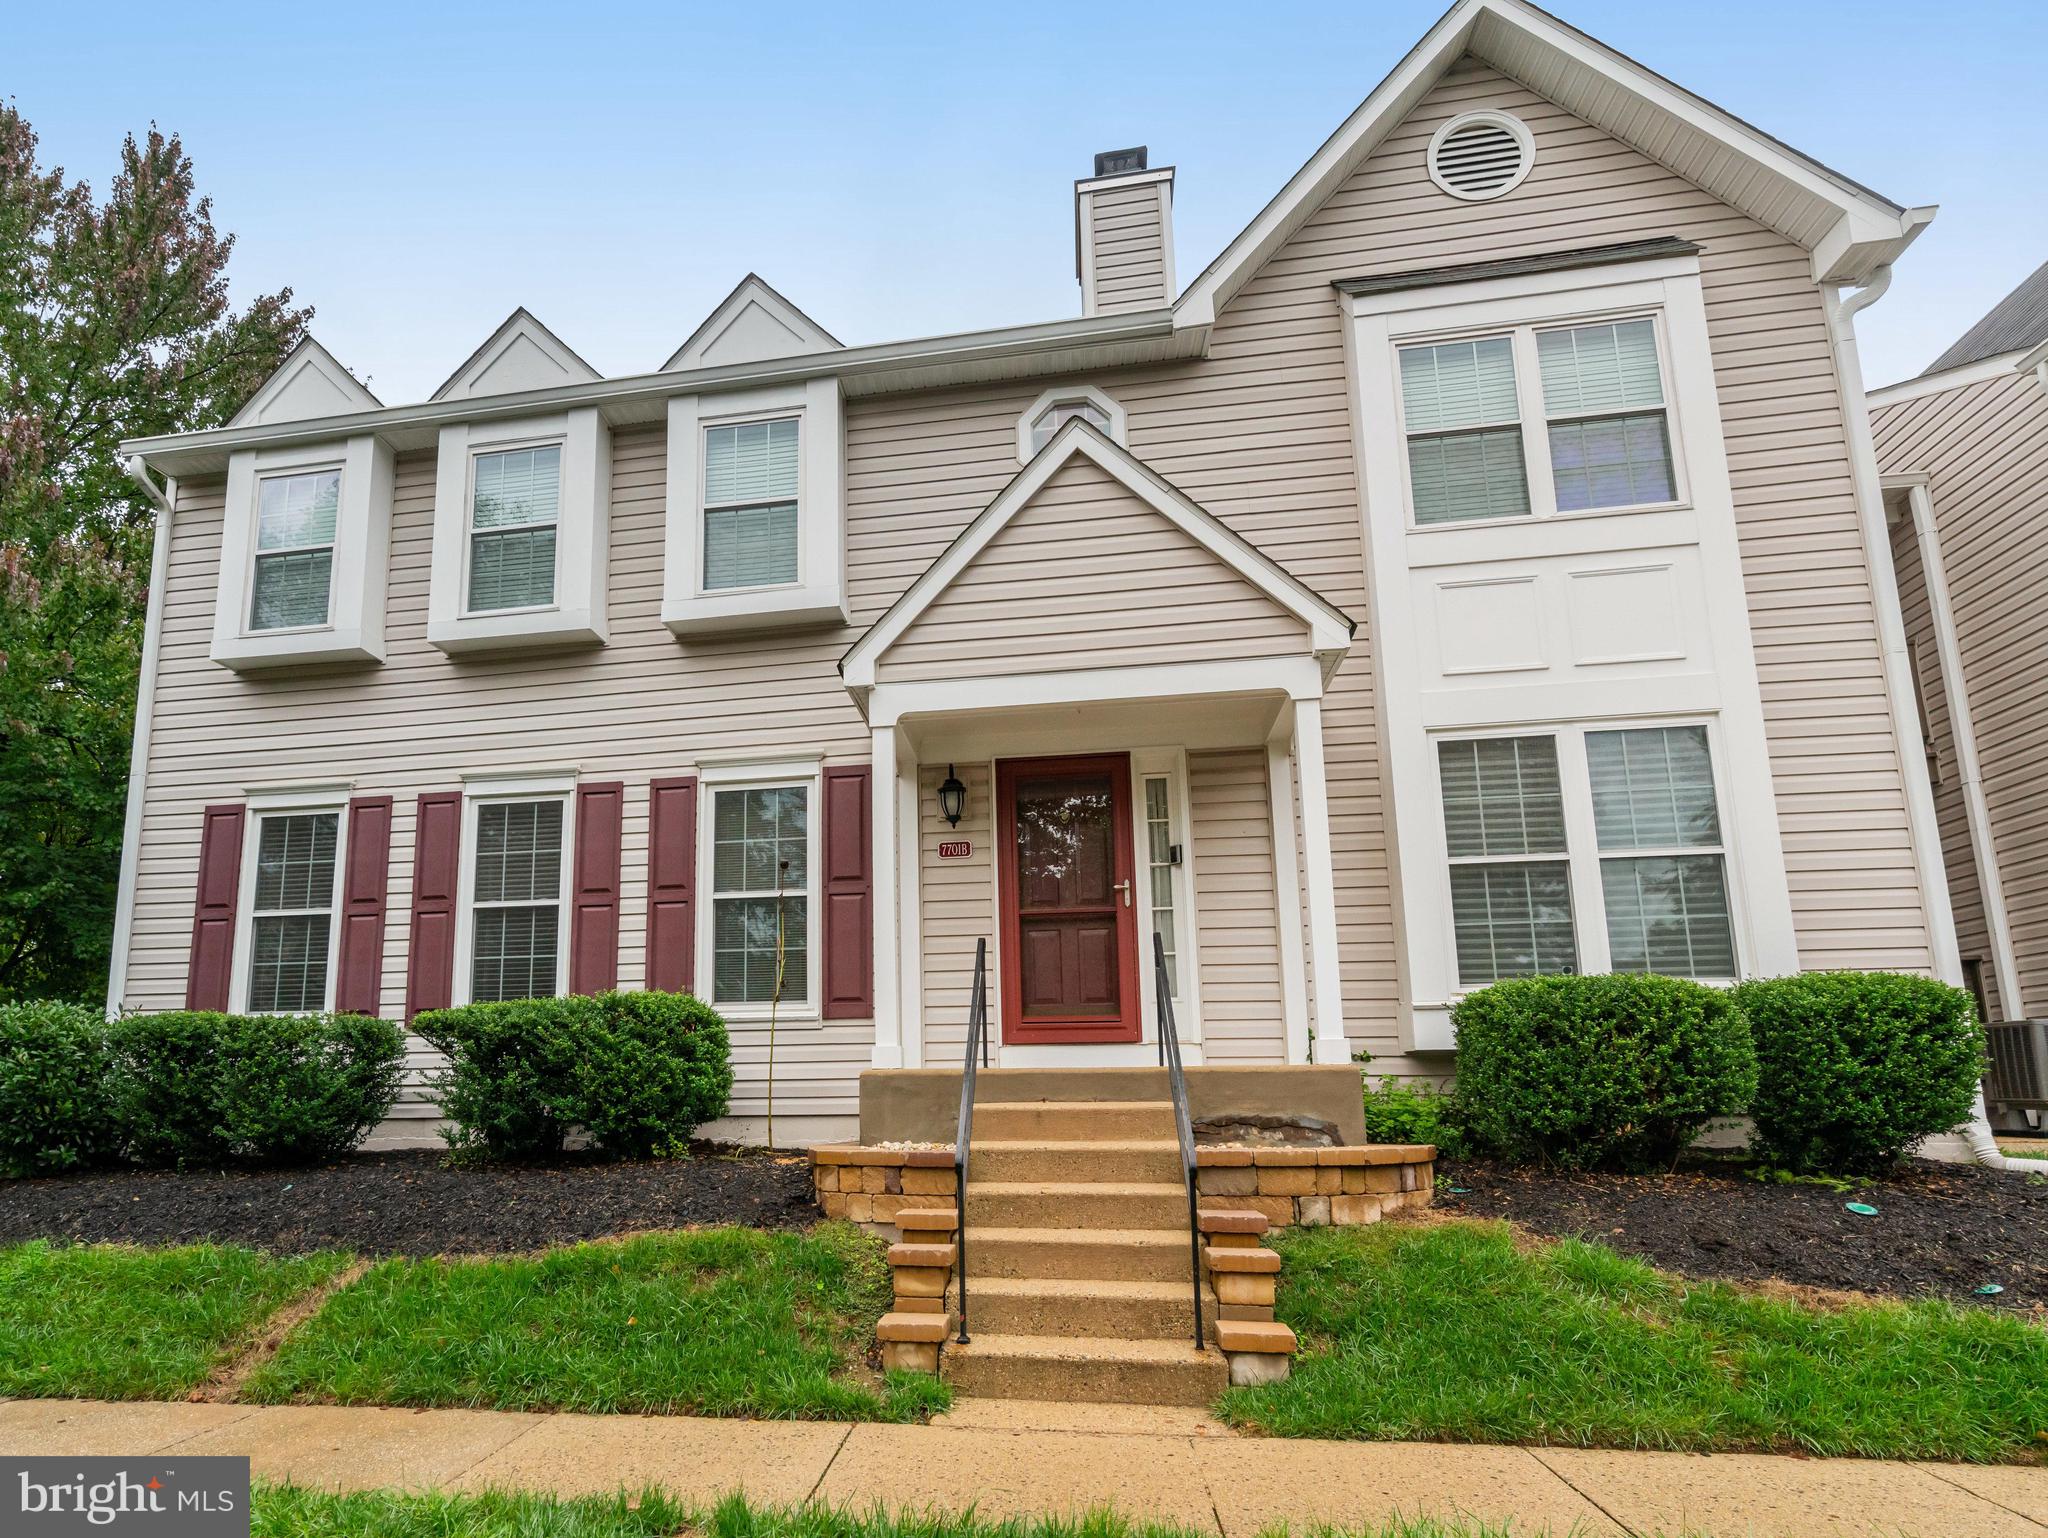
<point>1857,1068</point>
<point>56,1083</point>
<point>638,1072</point>
<point>1623,1070</point>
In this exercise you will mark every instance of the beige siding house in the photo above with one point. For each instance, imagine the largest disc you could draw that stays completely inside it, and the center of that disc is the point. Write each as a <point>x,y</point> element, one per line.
<point>1964,453</point>
<point>1480,568</point>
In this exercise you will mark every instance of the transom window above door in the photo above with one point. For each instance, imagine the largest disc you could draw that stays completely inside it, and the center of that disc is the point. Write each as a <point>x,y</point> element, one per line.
<point>1538,420</point>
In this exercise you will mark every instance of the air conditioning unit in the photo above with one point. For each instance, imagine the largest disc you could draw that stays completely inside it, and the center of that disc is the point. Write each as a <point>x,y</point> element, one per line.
<point>2018,1079</point>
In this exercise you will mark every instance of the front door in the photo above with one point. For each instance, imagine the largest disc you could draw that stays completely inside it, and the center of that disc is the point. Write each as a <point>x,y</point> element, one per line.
<point>1070,932</point>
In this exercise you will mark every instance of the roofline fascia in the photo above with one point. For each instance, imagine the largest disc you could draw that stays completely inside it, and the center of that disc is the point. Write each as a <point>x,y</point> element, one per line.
<point>1976,371</point>
<point>1007,341</point>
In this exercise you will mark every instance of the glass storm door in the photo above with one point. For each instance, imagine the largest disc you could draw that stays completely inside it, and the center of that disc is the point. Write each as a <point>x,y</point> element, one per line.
<point>1070,936</point>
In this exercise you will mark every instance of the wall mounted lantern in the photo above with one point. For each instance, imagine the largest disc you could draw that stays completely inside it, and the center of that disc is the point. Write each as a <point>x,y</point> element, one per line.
<point>952,798</point>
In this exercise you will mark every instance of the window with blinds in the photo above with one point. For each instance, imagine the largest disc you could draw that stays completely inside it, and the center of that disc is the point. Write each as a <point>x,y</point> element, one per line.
<point>291,924</point>
<point>760,903</point>
<point>751,473</point>
<point>1663,875</point>
<point>1503,805</point>
<point>516,901</point>
<point>515,505</point>
<point>1463,421</point>
<point>1603,398</point>
<point>294,577</point>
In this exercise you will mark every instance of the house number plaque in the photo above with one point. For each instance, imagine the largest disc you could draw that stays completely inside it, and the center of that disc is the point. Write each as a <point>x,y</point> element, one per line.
<point>958,850</point>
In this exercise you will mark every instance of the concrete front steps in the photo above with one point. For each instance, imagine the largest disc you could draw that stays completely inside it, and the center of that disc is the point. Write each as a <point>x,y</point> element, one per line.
<point>1094,1370</point>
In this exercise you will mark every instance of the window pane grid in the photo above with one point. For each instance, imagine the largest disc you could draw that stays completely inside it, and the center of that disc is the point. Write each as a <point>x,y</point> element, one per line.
<point>760,848</point>
<point>511,569</point>
<point>1618,461</point>
<point>517,486</point>
<point>1653,788</point>
<point>295,521</point>
<point>1653,791</point>
<point>750,462</point>
<point>1502,796</point>
<point>291,589</point>
<point>1591,369</point>
<point>751,473</point>
<point>516,901</point>
<point>1512,920</point>
<point>1059,414</point>
<point>515,505</point>
<point>297,511</point>
<point>1159,873</point>
<point>750,546</point>
<point>1668,914</point>
<point>292,912</point>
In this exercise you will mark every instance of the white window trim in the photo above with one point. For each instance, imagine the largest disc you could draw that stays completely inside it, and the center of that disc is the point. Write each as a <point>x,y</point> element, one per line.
<point>1582,854</point>
<point>354,631</point>
<point>1119,420</point>
<point>1533,420</point>
<point>761,774</point>
<point>1518,129</point>
<point>259,805</point>
<point>478,451</point>
<point>577,617</point>
<point>818,595</point>
<point>1172,764</point>
<point>489,789</point>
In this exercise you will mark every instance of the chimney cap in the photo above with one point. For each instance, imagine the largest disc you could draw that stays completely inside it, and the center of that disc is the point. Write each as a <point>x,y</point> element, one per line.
<point>1120,162</point>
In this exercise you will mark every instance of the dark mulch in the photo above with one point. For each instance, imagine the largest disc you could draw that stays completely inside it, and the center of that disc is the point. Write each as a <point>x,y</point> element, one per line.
<point>1940,1230</point>
<point>413,1203</point>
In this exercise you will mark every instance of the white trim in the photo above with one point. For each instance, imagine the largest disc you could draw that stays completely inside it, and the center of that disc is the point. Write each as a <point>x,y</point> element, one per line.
<point>313,801</point>
<point>1299,678</point>
<point>741,765</point>
<point>1124,179</point>
<point>892,1034</point>
<point>520,326</point>
<point>1952,378</point>
<point>138,752</point>
<point>1963,731</point>
<point>1287,896</point>
<point>511,788</point>
<point>1516,130</point>
<point>1108,405</point>
<point>750,293</point>
<point>1170,764</point>
<point>808,772</point>
<point>1326,980</point>
<point>289,794</point>
<point>1329,630</point>
<point>909,872</point>
<point>542,780</point>
<point>309,383</point>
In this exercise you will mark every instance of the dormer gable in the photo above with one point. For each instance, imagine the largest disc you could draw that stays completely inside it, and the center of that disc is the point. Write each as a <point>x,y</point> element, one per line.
<point>751,324</point>
<point>521,354</point>
<point>311,382</point>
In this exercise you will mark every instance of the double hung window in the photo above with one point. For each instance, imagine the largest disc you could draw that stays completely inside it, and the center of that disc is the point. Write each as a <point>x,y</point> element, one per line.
<point>514,509</point>
<point>295,527</point>
<point>751,478</point>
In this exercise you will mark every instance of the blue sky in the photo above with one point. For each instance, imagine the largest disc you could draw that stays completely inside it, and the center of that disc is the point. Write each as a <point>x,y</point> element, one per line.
<point>416,171</point>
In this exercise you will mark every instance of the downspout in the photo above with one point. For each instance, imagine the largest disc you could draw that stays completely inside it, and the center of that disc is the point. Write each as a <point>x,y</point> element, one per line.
<point>1921,824</point>
<point>138,748</point>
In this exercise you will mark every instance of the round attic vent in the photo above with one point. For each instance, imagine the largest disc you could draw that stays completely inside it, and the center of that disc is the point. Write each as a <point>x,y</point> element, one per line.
<point>1481,155</point>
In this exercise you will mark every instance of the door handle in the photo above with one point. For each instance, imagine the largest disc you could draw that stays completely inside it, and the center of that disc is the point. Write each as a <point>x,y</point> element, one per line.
<point>1124,886</point>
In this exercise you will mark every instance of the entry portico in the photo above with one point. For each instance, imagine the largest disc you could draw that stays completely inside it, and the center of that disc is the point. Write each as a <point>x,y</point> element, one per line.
<point>1130,697</point>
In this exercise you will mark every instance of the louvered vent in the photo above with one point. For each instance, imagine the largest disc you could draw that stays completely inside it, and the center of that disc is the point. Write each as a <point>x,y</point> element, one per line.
<point>1480,155</point>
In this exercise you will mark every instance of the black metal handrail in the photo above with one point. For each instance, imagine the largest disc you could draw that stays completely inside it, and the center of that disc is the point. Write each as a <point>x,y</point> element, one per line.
<point>963,1136</point>
<point>1183,1126</point>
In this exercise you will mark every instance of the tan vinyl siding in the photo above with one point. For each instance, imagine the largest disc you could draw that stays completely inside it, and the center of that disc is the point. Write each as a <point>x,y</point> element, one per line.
<point>1129,247</point>
<point>1087,575</point>
<point>1984,450</point>
<point>956,906</point>
<point>1237,927</point>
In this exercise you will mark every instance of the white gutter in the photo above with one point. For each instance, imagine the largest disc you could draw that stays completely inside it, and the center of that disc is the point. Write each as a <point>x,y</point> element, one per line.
<point>1922,826</point>
<point>138,749</point>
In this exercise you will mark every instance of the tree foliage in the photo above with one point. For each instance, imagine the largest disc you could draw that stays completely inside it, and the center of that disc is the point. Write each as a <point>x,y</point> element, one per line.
<point>114,323</point>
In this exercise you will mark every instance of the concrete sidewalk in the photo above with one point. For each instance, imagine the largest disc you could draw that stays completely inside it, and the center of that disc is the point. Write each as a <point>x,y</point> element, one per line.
<point>1008,1458</point>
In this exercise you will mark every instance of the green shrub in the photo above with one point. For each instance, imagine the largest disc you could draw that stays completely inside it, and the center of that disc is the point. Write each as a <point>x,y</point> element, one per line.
<point>1622,1070</point>
<point>55,1091</point>
<point>197,1088</point>
<point>639,1072</point>
<point>1398,1111</point>
<point>1855,1068</point>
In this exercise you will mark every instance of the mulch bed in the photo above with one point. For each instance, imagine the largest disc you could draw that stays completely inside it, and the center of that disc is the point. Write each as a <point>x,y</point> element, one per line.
<point>1940,1230</point>
<point>412,1202</point>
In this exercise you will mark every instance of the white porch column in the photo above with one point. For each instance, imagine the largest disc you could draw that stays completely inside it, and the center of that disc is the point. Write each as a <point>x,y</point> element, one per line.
<point>884,802</point>
<point>909,923</point>
<point>1331,1044</point>
<point>1287,897</point>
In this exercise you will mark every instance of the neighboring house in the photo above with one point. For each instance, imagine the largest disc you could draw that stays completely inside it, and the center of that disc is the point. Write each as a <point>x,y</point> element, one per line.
<point>1478,569</point>
<point>1964,453</point>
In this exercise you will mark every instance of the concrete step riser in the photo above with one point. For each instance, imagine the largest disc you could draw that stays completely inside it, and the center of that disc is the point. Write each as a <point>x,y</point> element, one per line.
<point>1108,1164</point>
<point>1169,1383</point>
<point>1068,1209</point>
<point>1082,1259</point>
<point>1056,1121</point>
<point>1084,1318</point>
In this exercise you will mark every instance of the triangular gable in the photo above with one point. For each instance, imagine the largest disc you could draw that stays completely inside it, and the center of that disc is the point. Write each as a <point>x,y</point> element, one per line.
<point>521,354</point>
<point>752,323</point>
<point>311,382</point>
<point>1850,230</point>
<point>1081,471</point>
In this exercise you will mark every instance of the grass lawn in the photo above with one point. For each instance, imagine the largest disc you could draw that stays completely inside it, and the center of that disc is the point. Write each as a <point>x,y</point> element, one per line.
<point>284,1511</point>
<point>1457,1331</point>
<point>112,1322</point>
<point>722,1321</point>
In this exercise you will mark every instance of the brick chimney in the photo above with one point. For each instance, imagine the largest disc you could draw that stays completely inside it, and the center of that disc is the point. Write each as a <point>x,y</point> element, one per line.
<point>1123,234</point>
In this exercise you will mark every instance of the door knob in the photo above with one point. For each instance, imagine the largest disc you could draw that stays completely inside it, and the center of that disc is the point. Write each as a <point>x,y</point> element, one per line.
<point>1124,886</point>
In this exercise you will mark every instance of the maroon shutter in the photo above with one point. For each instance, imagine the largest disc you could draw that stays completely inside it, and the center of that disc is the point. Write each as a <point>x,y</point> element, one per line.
<point>213,913</point>
<point>359,975</point>
<point>849,895</point>
<point>672,884</point>
<point>436,860</point>
<point>594,928</point>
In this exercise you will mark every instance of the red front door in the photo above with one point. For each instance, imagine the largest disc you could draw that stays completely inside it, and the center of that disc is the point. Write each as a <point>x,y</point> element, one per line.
<point>1070,933</point>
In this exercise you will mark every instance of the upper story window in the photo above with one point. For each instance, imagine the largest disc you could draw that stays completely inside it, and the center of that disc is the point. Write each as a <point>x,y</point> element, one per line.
<point>296,517</point>
<point>752,475</point>
<point>515,506</point>
<point>1042,421</point>
<point>1537,419</point>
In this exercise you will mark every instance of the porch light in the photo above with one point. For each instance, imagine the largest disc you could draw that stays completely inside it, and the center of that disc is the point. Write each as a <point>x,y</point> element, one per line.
<point>952,798</point>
